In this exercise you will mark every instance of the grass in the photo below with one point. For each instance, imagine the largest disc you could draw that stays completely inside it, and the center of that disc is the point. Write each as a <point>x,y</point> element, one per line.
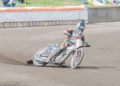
<point>53,2</point>
<point>38,3</point>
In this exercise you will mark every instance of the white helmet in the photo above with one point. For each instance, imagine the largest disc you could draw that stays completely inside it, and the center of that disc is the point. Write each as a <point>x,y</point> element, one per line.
<point>81,25</point>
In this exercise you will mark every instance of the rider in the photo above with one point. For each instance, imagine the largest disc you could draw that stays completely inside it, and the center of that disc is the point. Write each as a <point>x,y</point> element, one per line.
<point>74,35</point>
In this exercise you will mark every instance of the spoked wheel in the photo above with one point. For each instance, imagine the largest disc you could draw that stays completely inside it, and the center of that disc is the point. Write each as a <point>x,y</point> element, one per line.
<point>77,58</point>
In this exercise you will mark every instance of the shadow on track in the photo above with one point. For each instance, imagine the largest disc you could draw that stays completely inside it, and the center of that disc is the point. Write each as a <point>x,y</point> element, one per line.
<point>57,66</point>
<point>97,67</point>
<point>50,66</point>
<point>79,68</point>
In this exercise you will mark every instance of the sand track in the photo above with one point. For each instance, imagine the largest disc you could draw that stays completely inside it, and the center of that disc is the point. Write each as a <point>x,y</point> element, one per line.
<point>100,66</point>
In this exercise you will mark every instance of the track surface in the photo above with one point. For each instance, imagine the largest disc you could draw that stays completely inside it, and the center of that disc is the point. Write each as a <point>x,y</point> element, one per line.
<point>100,66</point>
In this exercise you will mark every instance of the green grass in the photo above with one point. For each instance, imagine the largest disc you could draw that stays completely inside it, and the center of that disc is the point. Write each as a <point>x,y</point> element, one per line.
<point>53,2</point>
<point>38,3</point>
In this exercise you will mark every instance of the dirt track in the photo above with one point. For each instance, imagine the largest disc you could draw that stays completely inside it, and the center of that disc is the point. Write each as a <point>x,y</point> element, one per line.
<point>100,67</point>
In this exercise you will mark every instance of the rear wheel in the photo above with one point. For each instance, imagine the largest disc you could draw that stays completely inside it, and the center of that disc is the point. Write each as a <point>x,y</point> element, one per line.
<point>77,58</point>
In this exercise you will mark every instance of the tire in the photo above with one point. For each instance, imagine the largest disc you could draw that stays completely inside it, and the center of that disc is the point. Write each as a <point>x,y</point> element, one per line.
<point>77,58</point>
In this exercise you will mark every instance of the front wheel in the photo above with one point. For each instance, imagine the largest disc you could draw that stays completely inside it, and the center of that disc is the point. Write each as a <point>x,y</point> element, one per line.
<point>77,58</point>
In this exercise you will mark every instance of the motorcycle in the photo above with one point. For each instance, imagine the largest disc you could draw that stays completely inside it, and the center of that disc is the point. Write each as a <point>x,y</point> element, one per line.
<point>60,58</point>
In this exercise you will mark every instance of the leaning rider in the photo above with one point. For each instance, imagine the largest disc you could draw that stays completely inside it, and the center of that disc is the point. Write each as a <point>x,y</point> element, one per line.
<point>73,34</point>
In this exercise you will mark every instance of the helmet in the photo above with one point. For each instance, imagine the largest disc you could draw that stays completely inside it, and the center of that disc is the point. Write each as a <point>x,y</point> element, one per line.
<point>81,25</point>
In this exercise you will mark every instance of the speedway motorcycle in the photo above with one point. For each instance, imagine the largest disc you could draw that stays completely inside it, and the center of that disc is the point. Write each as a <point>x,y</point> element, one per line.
<point>60,58</point>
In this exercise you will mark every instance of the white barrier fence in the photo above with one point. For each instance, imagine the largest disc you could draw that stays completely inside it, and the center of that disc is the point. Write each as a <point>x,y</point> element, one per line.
<point>69,13</point>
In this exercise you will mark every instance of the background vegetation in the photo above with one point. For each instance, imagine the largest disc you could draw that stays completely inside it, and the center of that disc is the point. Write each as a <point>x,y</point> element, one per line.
<point>38,3</point>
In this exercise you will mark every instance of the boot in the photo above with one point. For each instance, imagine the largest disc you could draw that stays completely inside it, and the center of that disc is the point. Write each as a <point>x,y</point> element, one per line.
<point>29,62</point>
